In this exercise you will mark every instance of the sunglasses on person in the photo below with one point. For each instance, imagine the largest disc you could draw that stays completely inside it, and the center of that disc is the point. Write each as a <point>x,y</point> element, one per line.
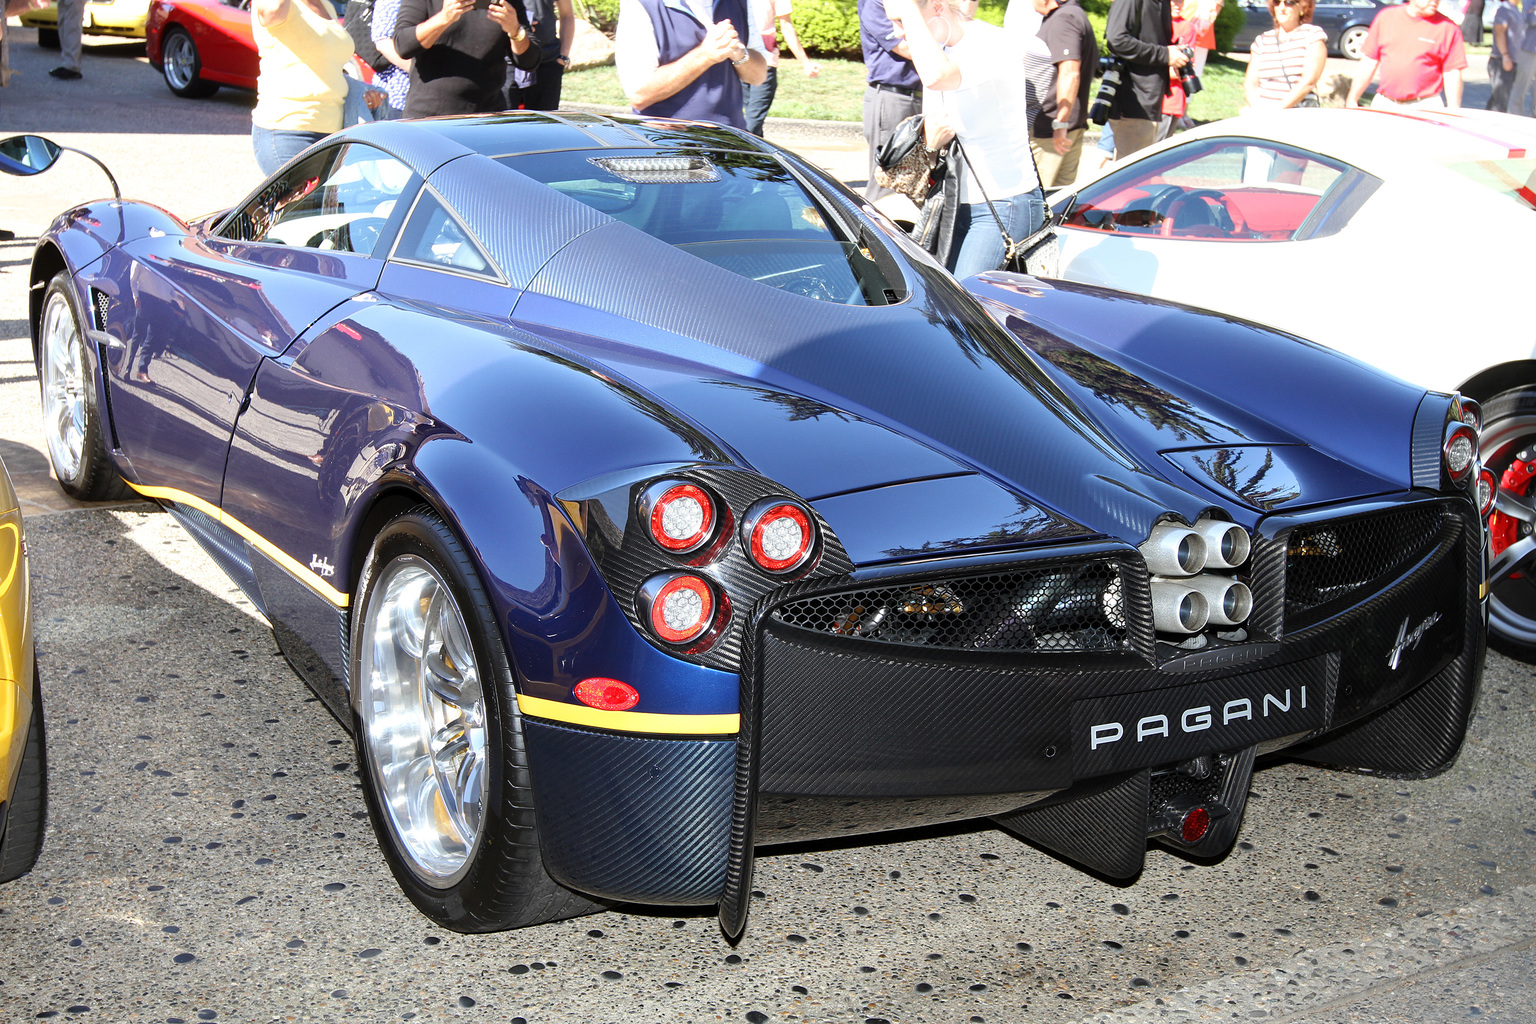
<point>1288,3</point>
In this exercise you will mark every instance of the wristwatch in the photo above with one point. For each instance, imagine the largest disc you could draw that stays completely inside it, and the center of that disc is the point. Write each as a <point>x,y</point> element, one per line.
<point>746,55</point>
<point>564,58</point>
<point>1061,126</point>
<point>522,33</point>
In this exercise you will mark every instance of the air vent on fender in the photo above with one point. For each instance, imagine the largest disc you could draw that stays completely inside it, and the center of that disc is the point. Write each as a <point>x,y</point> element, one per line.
<point>100,302</point>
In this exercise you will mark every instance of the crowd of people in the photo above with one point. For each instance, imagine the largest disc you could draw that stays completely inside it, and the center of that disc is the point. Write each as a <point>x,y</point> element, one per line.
<point>1017,98</point>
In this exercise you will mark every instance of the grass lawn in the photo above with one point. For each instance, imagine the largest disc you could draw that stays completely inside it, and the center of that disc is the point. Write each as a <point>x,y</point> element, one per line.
<point>837,94</point>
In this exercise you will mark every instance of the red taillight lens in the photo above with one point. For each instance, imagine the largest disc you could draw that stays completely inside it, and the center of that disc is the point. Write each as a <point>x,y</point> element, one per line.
<point>780,536</point>
<point>1460,452</point>
<point>1195,825</point>
<point>1487,490</point>
<point>680,607</point>
<point>681,515</point>
<point>1471,414</point>
<point>607,694</point>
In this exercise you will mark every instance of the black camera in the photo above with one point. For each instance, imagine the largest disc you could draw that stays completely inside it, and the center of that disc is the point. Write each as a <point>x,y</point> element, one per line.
<point>1187,77</point>
<point>1098,113</point>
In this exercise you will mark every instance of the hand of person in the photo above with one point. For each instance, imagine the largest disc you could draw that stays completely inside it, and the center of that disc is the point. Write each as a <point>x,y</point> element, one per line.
<point>453,10</point>
<point>503,14</point>
<point>722,43</point>
<point>1177,58</point>
<point>1060,142</point>
<point>899,11</point>
<point>812,69</point>
<point>1509,65</point>
<point>942,137</point>
<point>375,100</point>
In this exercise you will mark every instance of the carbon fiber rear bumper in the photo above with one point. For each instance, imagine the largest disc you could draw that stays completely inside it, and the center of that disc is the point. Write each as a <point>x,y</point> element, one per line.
<point>1079,752</point>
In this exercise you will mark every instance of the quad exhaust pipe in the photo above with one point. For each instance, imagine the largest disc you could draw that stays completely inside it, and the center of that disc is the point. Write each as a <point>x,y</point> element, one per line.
<point>1174,550</point>
<point>1190,590</point>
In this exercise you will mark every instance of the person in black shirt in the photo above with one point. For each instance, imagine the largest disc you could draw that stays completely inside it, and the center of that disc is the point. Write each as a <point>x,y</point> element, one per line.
<point>459,54</point>
<point>1059,64</point>
<point>1140,33</point>
<point>553,25</point>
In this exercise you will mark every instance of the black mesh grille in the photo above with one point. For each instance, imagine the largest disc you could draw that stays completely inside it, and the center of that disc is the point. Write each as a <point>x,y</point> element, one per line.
<point>1332,562</point>
<point>1075,607</point>
<point>100,302</point>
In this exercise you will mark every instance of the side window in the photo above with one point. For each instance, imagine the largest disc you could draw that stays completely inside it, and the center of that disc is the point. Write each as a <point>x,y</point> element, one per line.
<point>436,238</point>
<point>1226,189</point>
<point>338,200</point>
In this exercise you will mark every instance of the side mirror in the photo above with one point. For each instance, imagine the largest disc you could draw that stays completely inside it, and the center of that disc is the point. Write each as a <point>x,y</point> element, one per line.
<point>27,154</point>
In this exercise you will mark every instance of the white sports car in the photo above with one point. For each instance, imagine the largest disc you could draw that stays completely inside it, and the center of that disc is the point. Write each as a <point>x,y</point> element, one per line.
<point>1404,239</point>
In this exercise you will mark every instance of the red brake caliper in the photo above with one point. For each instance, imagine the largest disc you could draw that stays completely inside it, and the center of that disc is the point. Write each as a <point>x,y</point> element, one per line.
<point>1504,530</point>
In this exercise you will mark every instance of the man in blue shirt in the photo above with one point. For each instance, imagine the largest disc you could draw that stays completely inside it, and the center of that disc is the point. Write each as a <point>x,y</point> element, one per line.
<point>686,58</point>
<point>894,92</point>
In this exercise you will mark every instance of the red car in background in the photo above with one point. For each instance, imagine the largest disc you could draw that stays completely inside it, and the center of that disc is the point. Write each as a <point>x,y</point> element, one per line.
<point>200,45</point>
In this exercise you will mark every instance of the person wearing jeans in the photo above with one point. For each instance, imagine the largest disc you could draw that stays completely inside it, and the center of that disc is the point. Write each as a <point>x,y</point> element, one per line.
<point>757,99</point>
<point>974,91</point>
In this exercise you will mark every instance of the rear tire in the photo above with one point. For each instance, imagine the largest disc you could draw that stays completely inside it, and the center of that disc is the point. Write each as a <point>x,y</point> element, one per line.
<point>25,821</point>
<point>439,737</point>
<point>72,424</point>
<point>1509,430</point>
<point>48,38</point>
<point>182,65</point>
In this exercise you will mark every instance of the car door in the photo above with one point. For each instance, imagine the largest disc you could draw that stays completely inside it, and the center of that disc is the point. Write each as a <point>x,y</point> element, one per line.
<point>1213,222</point>
<point>210,305</point>
<point>222,31</point>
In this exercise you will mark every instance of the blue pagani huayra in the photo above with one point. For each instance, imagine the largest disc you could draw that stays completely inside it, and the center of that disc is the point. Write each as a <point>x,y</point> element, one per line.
<point>638,496</point>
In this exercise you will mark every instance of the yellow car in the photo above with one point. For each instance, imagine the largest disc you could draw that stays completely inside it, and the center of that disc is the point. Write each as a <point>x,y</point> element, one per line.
<point>23,754</point>
<point>124,18</point>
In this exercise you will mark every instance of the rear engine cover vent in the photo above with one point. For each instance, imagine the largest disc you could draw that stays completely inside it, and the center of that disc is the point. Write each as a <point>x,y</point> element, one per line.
<point>1058,608</point>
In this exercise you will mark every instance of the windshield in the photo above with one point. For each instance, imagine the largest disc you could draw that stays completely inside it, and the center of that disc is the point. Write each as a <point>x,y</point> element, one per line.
<point>744,212</point>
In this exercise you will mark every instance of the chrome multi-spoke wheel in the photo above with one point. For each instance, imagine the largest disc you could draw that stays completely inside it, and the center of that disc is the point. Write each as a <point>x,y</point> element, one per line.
<point>182,65</point>
<point>72,424</point>
<point>424,717</point>
<point>439,738</point>
<point>63,383</point>
<point>1509,450</point>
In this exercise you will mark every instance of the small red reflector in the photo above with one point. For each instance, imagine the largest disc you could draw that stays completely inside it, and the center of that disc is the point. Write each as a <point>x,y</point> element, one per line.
<point>1195,824</point>
<point>607,694</point>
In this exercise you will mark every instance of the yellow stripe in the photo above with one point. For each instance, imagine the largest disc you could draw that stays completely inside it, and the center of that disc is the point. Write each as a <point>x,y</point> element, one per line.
<point>297,569</point>
<point>628,721</point>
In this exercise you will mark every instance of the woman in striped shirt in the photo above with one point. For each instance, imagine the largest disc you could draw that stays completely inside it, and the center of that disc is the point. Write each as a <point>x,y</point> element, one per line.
<point>1285,63</point>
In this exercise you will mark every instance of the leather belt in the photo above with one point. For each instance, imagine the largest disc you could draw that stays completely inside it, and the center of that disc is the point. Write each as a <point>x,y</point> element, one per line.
<point>904,90</point>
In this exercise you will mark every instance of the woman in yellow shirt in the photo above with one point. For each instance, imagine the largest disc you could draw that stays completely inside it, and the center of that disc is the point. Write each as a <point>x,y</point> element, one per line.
<point>300,89</point>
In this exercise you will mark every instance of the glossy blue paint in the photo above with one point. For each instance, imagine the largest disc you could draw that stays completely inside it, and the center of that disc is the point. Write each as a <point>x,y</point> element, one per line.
<point>936,518</point>
<point>1274,477</point>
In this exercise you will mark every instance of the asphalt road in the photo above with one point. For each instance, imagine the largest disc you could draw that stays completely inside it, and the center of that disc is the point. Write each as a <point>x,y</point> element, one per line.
<point>208,855</point>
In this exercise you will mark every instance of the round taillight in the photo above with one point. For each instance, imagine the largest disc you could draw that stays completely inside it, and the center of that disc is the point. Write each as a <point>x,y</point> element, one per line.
<point>1471,414</point>
<point>1460,452</point>
<point>679,606</point>
<point>1195,824</point>
<point>779,534</point>
<point>1487,490</point>
<point>681,515</point>
<point>607,694</point>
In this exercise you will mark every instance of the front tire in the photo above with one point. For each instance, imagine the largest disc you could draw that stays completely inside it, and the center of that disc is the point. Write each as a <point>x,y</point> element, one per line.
<point>1509,445</point>
<point>1352,42</point>
<point>25,820</point>
<point>182,66</point>
<point>439,737</point>
<point>72,425</point>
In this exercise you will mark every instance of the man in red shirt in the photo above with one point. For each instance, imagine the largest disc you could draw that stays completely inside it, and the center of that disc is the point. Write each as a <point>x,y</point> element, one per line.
<point>1418,50</point>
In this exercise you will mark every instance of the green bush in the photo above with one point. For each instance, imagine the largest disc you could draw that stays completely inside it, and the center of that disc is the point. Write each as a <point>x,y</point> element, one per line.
<point>603,14</point>
<point>1228,22</point>
<point>828,27</point>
